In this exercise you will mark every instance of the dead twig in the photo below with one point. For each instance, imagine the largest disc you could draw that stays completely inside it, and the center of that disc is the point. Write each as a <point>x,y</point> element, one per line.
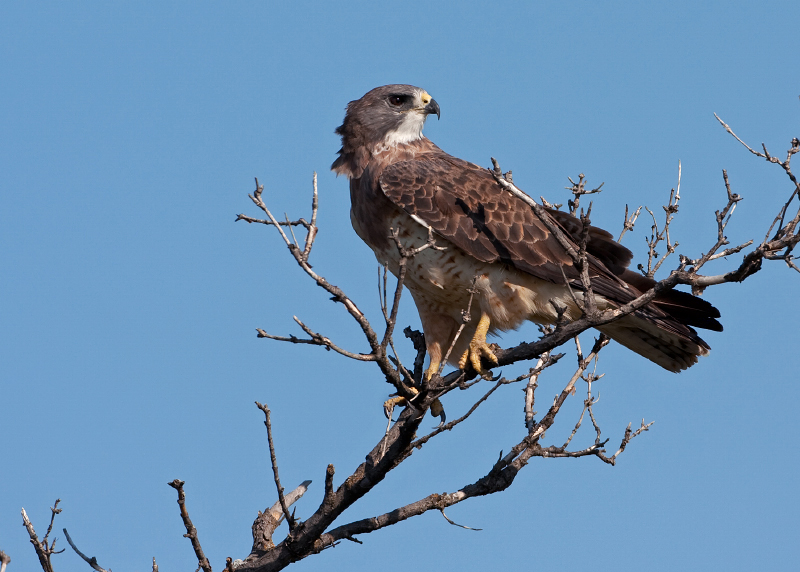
<point>547,421</point>
<point>627,439</point>
<point>545,361</point>
<point>578,190</point>
<point>268,521</point>
<point>191,531</point>
<point>657,236</point>
<point>447,518</point>
<point>628,222</point>
<point>316,340</point>
<point>274,460</point>
<point>90,561</point>
<point>418,340</point>
<point>44,548</point>
<point>785,165</point>
<point>337,295</point>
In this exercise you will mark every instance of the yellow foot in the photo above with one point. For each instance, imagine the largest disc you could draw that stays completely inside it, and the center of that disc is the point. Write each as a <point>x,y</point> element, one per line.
<point>390,404</point>
<point>437,410</point>
<point>433,369</point>
<point>478,348</point>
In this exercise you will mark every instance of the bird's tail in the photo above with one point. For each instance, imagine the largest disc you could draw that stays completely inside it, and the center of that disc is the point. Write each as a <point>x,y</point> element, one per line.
<point>673,348</point>
<point>663,331</point>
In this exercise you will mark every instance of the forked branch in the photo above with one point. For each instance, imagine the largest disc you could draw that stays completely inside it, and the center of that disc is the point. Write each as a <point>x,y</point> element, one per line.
<point>400,441</point>
<point>44,548</point>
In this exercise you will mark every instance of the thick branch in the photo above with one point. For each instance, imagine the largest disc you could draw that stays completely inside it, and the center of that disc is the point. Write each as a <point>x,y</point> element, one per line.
<point>302,541</point>
<point>495,481</point>
<point>268,521</point>
<point>309,536</point>
<point>44,550</point>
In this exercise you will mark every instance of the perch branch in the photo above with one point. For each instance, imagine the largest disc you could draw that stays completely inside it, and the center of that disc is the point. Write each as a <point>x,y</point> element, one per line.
<point>400,441</point>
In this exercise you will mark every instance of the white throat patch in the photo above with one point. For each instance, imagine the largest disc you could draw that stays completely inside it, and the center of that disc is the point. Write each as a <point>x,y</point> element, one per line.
<point>410,129</point>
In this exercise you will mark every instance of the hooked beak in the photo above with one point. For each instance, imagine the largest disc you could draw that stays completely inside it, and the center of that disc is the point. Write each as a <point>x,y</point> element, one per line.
<point>432,108</point>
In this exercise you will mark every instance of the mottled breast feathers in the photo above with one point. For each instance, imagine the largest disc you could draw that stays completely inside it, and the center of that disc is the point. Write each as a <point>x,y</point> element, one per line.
<point>463,203</point>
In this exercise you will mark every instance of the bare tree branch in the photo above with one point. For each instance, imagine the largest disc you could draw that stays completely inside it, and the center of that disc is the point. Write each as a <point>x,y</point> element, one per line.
<point>657,236</point>
<point>555,206</point>
<point>400,441</point>
<point>302,256</point>
<point>44,549</point>
<point>418,340</point>
<point>785,165</point>
<point>90,561</point>
<point>456,524</point>
<point>274,460</point>
<point>315,340</point>
<point>628,222</point>
<point>302,540</point>
<point>5,560</point>
<point>578,190</point>
<point>191,531</point>
<point>268,521</point>
<point>545,361</point>
<point>627,439</point>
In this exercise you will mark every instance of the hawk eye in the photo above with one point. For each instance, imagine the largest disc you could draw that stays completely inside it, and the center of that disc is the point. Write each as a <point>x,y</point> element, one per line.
<point>397,100</point>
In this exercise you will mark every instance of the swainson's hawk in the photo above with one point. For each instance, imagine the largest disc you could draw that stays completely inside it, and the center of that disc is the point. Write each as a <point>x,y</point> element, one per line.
<point>400,180</point>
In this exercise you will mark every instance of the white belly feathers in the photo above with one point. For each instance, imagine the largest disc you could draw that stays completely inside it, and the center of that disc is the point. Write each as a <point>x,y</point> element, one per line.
<point>443,278</point>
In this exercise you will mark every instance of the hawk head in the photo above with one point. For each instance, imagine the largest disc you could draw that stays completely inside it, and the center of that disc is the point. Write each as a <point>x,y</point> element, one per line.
<point>386,116</point>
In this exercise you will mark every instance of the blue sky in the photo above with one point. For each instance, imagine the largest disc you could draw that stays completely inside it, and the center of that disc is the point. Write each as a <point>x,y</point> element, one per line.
<point>131,133</point>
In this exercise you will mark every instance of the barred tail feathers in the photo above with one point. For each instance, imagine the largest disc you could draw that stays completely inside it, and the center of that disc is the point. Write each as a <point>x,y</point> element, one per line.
<point>672,350</point>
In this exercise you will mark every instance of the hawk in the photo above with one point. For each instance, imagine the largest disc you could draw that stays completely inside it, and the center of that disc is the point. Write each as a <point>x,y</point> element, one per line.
<point>495,245</point>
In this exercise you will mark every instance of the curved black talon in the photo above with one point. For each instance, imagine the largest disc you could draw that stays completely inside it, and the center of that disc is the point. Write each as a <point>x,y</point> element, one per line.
<point>441,414</point>
<point>441,424</point>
